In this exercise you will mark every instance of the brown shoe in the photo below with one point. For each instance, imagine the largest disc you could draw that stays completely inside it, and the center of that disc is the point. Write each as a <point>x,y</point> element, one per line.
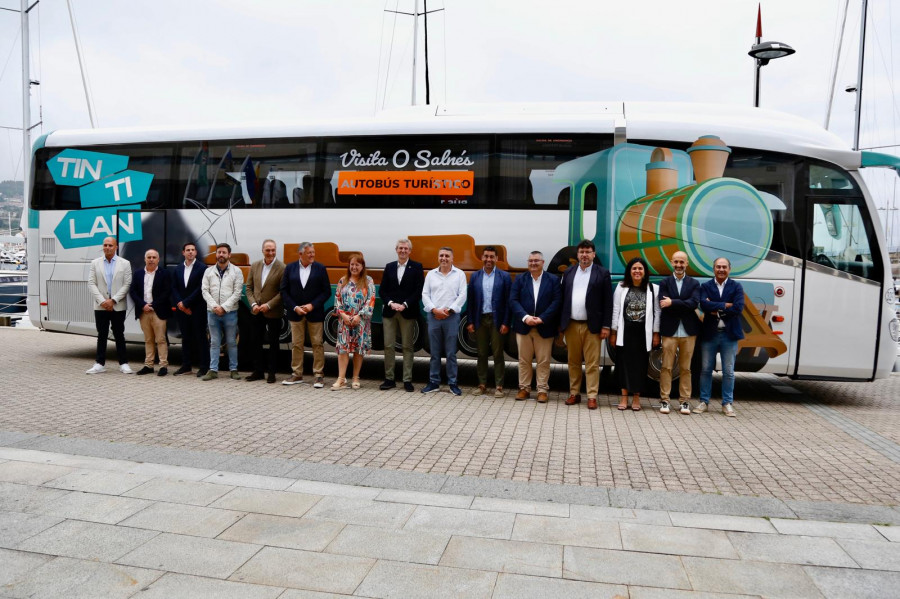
<point>573,399</point>
<point>498,392</point>
<point>542,398</point>
<point>480,390</point>
<point>523,394</point>
<point>592,403</point>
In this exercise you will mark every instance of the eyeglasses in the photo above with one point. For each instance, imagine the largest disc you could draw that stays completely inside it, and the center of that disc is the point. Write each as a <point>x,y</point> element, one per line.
<point>535,261</point>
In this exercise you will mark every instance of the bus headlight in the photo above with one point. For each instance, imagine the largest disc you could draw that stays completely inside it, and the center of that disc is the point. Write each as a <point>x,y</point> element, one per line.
<point>895,330</point>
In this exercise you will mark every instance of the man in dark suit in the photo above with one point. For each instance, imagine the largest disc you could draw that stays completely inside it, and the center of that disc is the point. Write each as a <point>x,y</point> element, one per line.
<point>151,292</point>
<point>264,296</point>
<point>585,318</point>
<point>488,316</point>
<point>679,296</point>
<point>722,301</point>
<point>534,301</point>
<point>400,292</point>
<point>304,290</point>
<point>191,311</point>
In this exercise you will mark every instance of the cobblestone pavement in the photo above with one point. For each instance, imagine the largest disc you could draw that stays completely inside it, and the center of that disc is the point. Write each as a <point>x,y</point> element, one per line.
<point>75,526</point>
<point>791,441</point>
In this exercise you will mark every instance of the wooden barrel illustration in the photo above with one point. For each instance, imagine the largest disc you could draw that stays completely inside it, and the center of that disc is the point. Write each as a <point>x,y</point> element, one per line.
<point>716,218</point>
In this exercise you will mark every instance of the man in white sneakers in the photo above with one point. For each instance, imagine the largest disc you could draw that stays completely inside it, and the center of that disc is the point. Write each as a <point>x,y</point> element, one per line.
<point>222,287</point>
<point>109,281</point>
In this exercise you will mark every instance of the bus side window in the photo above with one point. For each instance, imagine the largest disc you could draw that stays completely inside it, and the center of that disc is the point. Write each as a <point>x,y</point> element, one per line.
<point>840,239</point>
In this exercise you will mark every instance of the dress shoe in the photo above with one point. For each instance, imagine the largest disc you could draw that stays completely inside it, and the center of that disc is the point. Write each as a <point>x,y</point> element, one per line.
<point>592,403</point>
<point>573,399</point>
<point>255,376</point>
<point>523,394</point>
<point>145,370</point>
<point>387,384</point>
<point>542,397</point>
<point>408,387</point>
<point>182,370</point>
<point>202,372</point>
<point>163,371</point>
<point>271,378</point>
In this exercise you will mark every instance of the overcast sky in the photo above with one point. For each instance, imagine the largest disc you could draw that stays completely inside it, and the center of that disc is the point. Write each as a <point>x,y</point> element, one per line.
<point>184,62</point>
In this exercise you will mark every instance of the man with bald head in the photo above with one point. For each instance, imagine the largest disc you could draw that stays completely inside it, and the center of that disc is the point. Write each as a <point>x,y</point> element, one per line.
<point>151,292</point>
<point>109,281</point>
<point>679,296</point>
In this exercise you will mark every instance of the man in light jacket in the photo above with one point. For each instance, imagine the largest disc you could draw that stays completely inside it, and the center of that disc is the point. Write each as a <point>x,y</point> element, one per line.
<point>109,282</point>
<point>222,287</point>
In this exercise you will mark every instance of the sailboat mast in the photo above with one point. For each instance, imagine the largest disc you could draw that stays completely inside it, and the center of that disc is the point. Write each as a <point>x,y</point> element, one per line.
<point>415,49</point>
<point>859,74</point>
<point>26,104</point>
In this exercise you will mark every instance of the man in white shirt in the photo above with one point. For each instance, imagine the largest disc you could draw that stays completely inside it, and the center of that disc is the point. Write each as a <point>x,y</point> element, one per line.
<point>109,281</point>
<point>443,298</point>
<point>222,287</point>
<point>190,310</point>
<point>151,292</point>
<point>400,292</point>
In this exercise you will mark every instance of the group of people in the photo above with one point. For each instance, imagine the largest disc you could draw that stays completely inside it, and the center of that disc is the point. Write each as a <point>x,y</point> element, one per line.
<point>579,307</point>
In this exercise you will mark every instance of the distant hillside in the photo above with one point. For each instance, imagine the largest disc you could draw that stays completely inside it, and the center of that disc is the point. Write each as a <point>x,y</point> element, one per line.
<point>12,188</point>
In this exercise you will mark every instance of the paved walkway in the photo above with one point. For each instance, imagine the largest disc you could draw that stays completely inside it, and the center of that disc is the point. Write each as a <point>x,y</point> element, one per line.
<point>809,442</point>
<point>75,526</point>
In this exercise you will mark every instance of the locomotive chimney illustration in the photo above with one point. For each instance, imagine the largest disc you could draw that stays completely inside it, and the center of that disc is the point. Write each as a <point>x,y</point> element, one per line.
<point>662,174</point>
<point>709,154</point>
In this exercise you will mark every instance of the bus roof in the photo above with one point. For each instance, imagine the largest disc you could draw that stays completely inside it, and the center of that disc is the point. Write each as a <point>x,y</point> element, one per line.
<point>739,126</point>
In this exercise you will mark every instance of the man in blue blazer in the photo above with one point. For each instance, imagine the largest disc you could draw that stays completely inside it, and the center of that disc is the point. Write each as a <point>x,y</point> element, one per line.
<point>534,301</point>
<point>400,292</point>
<point>488,316</point>
<point>304,290</point>
<point>190,311</point>
<point>722,301</point>
<point>151,292</point>
<point>585,319</point>
<point>679,296</point>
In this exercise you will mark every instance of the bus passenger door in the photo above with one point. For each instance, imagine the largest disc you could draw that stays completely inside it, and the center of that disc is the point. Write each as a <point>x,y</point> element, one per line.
<point>841,293</point>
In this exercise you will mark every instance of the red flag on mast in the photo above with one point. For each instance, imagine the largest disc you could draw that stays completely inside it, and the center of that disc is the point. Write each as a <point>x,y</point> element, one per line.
<point>759,21</point>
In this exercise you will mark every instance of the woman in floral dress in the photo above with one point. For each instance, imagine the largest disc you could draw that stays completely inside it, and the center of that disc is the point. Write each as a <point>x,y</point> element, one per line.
<point>354,303</point>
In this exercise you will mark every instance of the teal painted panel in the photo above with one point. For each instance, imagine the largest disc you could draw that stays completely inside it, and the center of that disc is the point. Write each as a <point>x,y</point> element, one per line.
<point>127,187</point>
<point>85,228</point>
<point>78,167</point>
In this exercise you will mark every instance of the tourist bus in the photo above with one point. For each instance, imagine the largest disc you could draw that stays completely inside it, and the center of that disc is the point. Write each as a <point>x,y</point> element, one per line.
<point>780,197</point>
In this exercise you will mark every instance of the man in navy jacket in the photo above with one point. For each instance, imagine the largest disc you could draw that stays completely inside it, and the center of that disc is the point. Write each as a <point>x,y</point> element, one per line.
<point>304,290</point>
<point>585,318</point>
<point>190,310</point>
<point>400,292</point>
<point>151,292</point>
<point>488,316</point>
<point>534,302</point>
<point>679,296</point>
<point>722,301</point>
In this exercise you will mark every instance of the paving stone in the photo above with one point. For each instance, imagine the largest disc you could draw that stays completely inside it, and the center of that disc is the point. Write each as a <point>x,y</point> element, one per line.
<point>471,523</point>
<point>567,531</point>
<point>656,593</point>
<point>344,475</point>
<point>183,457</point>
<point>305,570</point>
<point>261,501</point>
<point>515,506</point>
<point>842,512</point>
<point>859,584</point>
<point>891,533</point>
<point>398,545</point>
<point>718,522</point>
<point>15,527</point>
<point>317,487</point>
<point>516,557</point>
<point>25,473</point>
<point>618,514</point>
<point>182,473</point>
<point>790,549</point>
<point>17,565</point>
<point>516,586</point>
<point>93,481</point>
<point>179,491</point>
<point>750,578</point>
<point>261,466</point>
<point>81,579</point>
<point>254,481</point>
<point>11,438</point>
<point>876,555</point>
<point>183,519</point>
<point>302,594</point>
<point>366,512</point>
<point>87,540</point>
<point>281,531</point>
<point>533,491</point>
<point>425,498</point>
<point>190,555</point>
<point>393,580</point>
<point>84,447</point>
<point>180,586</point>
<point>702,504</point>
<point>816,528</point>
<point>105,509</point>
<point>408,481</point>
<point>676,541</point>
<point>604,565</point>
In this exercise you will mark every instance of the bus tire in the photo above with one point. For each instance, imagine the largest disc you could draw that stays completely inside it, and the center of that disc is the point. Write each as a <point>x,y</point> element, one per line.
<point>466,341</point>
<point>330,328</point>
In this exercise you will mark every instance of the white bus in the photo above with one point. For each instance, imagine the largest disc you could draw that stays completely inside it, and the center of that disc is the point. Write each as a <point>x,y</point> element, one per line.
<point>780,197</point>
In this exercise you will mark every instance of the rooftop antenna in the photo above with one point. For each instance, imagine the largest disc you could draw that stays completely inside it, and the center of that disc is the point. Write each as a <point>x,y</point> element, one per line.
<point>415,15</point>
